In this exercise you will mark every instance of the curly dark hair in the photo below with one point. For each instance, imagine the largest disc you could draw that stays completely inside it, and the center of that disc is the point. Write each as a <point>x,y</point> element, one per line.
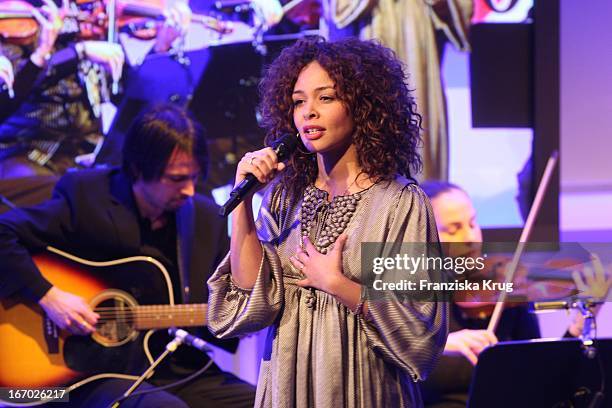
<point>371,82</point>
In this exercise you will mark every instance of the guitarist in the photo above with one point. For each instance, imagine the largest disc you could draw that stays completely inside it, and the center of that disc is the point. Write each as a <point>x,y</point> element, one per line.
<point>148,207</point>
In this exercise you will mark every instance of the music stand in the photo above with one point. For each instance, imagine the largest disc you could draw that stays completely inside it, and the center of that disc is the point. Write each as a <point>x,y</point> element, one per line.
<point>540,373</point>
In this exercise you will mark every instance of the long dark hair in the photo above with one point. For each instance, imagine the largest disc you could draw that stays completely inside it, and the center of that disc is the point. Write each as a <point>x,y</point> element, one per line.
<point>154,135</point>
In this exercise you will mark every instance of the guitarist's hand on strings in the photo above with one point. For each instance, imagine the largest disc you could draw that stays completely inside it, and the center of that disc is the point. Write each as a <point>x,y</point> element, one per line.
<point>69,312</point>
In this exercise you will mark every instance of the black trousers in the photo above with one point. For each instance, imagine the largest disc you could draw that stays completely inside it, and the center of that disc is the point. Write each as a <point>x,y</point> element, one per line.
<point>215,389</point>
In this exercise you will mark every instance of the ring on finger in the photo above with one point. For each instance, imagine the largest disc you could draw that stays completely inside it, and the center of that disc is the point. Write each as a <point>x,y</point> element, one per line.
<point>301,252</point>
<point>251,160</point>
<point>296,261</point>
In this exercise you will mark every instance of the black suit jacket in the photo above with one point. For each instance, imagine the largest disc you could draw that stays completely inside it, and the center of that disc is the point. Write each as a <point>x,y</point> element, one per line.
<point>92,214</point>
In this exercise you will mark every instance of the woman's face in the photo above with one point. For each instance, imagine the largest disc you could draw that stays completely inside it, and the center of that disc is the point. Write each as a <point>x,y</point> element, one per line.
<point>456,220</point>
<point>323,121</point>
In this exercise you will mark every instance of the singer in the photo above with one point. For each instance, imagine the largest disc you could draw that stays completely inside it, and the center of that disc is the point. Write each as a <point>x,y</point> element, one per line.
<point>297,269</point>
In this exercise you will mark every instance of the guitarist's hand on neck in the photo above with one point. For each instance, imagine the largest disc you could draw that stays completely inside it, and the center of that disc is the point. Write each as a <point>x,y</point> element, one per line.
<point>68,311</point>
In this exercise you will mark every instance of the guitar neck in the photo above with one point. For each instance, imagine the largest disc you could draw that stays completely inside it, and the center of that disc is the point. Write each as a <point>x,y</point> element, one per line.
<point>164,316</point>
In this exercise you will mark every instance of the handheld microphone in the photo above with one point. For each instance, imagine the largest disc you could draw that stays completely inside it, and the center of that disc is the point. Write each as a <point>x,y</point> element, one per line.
<point>283,147</point>
<point>189,339</point>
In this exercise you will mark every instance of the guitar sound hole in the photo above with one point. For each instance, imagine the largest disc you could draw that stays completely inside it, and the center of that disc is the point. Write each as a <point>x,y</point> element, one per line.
<point>117,322</point>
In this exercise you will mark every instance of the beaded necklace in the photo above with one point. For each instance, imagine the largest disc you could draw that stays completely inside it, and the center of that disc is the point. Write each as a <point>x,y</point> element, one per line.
<point>330,218</point>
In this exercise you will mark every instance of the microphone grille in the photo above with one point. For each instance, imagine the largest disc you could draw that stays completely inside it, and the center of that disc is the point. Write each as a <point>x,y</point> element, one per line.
<point>285,145</point>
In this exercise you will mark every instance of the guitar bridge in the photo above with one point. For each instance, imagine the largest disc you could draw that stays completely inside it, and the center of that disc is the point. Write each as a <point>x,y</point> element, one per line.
<point>51,335</point>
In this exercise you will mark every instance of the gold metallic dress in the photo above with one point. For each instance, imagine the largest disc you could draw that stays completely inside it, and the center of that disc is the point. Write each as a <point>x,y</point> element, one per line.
<point>318,353</point>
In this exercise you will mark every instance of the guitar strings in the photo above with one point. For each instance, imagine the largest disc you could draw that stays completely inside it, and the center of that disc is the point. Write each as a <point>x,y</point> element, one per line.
<point>133,315</point>
<point>105,320</point>
<point>127,313</point>
<point>145,307</point>
<point>140,308</point>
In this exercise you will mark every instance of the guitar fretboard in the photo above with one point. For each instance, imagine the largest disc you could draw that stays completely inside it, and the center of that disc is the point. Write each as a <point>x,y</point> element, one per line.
<point>163,316</point>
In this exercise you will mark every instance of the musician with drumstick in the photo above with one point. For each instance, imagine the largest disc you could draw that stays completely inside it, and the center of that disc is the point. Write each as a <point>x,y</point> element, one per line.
<point>147,208</point>
<point>457,223</point>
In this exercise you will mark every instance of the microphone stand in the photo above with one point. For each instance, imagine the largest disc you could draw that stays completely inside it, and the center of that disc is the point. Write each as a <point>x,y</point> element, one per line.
<point>588,344</point>
<point>585,307</point>
<point>170,348</point>
<point>587,336</point>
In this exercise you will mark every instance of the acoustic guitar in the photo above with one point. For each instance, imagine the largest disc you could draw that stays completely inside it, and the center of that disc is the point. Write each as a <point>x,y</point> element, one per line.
<point>131,295</point>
